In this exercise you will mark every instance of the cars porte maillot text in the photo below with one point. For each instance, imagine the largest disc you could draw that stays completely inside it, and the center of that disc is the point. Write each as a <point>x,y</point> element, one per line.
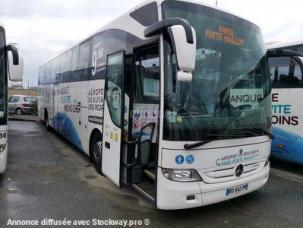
<point>190,64</point>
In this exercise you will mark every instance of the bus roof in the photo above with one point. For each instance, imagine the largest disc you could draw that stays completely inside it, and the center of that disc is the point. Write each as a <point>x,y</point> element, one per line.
<point>284,44</point>
<point>126,21</point>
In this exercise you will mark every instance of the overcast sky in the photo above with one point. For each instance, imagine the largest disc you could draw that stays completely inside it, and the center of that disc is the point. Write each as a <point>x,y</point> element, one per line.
<point>42,28</point>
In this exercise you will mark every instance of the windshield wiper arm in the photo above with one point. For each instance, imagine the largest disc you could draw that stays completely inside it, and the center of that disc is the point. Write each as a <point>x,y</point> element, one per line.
<point>195,145</point>
<point>260,130</point>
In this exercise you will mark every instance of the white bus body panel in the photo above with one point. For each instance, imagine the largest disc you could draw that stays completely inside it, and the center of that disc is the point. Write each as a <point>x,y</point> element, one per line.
<point>111,153</point>
<point>287,105</point>
<point>3,155</point>
<point>216,163</point>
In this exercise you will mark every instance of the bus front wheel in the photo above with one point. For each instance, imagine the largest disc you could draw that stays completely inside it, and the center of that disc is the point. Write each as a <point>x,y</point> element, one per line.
<point>96,151</point>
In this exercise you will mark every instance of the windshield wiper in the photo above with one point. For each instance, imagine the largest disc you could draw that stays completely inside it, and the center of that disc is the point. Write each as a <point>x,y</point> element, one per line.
<point>257,131</point>
<point>230,136</point>
<point>195,145</point>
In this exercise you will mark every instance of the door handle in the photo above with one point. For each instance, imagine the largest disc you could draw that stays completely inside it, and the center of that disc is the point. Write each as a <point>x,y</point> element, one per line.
<point>107,145</point>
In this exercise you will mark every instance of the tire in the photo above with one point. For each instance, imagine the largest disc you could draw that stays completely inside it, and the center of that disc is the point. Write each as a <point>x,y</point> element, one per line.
<point>96,151</point>
<point>46,121</point>
<point>19,111</point>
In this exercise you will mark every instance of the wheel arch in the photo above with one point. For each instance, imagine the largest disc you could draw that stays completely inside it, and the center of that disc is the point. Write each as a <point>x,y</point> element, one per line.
<point>94,132</point>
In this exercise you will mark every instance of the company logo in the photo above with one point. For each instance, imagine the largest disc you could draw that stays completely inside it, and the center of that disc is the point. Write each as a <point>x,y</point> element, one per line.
<point>180,159</point>
<point>239,170</point>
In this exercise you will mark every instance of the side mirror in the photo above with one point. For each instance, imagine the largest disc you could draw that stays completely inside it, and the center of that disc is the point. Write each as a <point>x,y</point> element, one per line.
<point>15,64</point>
<point>184,43</point>
<point>185,53</point>
<point>16,84</point>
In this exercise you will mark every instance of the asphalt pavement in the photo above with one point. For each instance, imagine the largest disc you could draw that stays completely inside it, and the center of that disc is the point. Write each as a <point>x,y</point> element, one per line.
<point>47,178</point>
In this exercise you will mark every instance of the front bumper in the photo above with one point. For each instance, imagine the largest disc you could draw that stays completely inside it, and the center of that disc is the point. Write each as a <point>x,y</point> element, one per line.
<point>214,193</point>
<point>174,195</point>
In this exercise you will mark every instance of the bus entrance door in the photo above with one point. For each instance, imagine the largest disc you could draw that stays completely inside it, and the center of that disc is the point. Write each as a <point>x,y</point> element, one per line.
<point>113,117</point>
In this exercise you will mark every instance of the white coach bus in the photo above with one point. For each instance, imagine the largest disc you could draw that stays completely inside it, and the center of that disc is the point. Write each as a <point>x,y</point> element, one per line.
<point>10,64</point>
<point>172,98</point>
<point>287,83</point>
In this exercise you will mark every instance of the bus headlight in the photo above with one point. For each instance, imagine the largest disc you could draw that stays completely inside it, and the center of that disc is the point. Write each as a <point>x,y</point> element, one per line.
<point>2,147</point>
<point>182,175</point>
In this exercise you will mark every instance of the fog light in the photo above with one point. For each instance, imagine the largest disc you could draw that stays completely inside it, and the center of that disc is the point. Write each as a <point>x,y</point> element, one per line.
<point>191,197</point>
<point>2,147</point>
<point>182,175</point>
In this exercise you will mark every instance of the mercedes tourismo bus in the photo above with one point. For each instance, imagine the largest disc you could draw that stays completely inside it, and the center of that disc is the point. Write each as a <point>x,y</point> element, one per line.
<point>172,98</point>
<point>287,82</point>
<point>10,64</point>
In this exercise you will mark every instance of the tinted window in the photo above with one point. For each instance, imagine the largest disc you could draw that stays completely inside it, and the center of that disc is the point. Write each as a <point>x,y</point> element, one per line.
<point>286,72</point>
<point>84,56</point>
<point>14,99</point>
<point>66,62</point>
<point>279,72</point>
<point>146,15</point>
<point>75,55</point>
<point>148,76</point>
<point>114,87</point>
<point>56,65</point>
<point>231,64</point>
<point>30,99</point>
<point>84,61</point>
<point>296,73</point>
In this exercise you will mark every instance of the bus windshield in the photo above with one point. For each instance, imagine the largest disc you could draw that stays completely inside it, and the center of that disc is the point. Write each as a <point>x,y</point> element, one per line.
<point>229,96</point>
<point>2,79</point>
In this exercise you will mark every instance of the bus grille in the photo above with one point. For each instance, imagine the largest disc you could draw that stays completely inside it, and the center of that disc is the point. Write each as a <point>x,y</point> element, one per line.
<point>229,174</point>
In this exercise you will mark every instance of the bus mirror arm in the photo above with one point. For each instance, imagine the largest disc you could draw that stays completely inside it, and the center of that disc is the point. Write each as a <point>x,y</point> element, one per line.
<point>162,26</point>
<point>15,53</point>
<point>283,53</point>
<point>183,37</point>
<point>15,63</point>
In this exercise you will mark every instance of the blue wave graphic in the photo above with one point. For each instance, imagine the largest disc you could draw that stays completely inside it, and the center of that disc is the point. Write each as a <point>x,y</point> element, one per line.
<point>65,127</point>
<point>287,146</point>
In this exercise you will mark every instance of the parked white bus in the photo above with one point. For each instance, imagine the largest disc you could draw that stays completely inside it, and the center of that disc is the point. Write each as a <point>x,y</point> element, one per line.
<point>287,82</point>
<point>172,98</point>
<point>10,64</point>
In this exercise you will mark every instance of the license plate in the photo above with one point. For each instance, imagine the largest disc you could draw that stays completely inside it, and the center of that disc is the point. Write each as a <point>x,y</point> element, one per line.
<point>236,190</point>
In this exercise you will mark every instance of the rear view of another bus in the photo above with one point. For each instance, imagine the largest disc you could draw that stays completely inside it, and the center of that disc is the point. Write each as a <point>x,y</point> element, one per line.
<point>287,82</point>
<point>9,59</point>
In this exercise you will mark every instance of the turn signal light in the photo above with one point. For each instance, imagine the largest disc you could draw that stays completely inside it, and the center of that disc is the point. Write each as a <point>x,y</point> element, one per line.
<point>182,175</point>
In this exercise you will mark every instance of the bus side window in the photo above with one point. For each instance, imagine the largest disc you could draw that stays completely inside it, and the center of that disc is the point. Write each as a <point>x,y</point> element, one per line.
<point>279,72</point>
<point>148,78</point>
<point>296,73</point>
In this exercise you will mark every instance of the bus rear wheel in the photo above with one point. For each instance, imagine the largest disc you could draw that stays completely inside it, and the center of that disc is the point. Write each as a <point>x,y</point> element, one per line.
<point>46,121</point>
<point>96,151</point>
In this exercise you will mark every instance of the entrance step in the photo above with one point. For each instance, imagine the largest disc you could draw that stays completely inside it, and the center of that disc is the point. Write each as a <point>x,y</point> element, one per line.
<point>150,175</point>
<point>146,189</point>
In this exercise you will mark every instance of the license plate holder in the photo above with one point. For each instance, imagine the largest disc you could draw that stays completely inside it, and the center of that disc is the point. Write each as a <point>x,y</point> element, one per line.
<point>236,190</point>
